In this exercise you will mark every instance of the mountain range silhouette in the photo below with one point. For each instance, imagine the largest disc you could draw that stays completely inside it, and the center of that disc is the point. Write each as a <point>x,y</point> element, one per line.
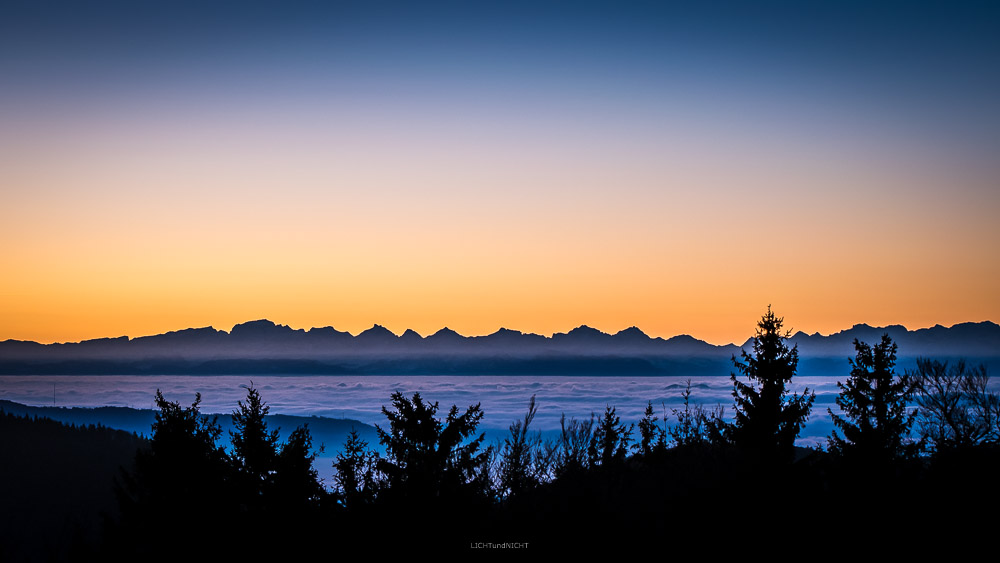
<point>262,346</point>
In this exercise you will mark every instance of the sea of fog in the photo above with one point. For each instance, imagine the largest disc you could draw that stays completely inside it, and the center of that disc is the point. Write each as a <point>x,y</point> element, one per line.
<point>504,399</point>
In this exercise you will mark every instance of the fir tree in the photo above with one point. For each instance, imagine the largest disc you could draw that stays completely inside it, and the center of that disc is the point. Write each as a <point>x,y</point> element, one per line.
<point>609,443</point>
<point>425,458</point>
<point>185,460</point>
<point>651,437</point>
<point>875,422</point>
<point>296,481</point>
<point>185,467</point>
<point>766,420</point>
<point>356,475</point>
<point>255,449</point>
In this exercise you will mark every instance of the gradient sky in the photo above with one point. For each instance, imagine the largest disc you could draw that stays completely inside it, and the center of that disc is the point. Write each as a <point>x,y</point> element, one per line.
<point>533,165</point>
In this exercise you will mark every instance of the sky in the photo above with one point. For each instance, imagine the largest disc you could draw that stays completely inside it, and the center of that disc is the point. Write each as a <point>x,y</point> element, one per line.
<point>476,165</point>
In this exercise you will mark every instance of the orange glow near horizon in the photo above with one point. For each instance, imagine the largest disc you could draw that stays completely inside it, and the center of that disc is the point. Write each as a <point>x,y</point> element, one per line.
<point>136,269</point>
<point>133,226</point>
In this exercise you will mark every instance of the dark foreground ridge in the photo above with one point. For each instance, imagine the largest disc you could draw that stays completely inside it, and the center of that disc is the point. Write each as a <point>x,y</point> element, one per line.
<point>263,347</point>
<point>326,431</point>
<point>909,469</point>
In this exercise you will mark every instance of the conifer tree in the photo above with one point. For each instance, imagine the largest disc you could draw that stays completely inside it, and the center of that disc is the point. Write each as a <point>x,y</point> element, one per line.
<point>425,458</point>
<point>296,481</point>
<point>609,443</point>
<point>255,449</point>
<point>651,437</point>
<point>185,461</point>
<point>875,423</point>
<point>185,467</point>
<point>767,421</point>
<point>356,477</point>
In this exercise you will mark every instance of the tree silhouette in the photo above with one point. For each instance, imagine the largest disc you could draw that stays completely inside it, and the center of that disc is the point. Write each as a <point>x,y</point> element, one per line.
<point>651,437</point>
<point>570,453</point>
<point>185,460</point>
<point>522,460</point>
<point>956,409</point>
<point>184,468</point>
<point>356,477</point>
<point>296,482</point>
<point>696,424</point>
<point>255,449</point>
<point>875,424</point>
<point>767,421</point>
<point>609,443</point>
<point>427,459</point>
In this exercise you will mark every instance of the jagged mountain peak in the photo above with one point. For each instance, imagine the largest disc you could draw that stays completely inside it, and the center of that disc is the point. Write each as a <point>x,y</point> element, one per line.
<point>506,332</point>
<point>632,332</point>
<point>263,339</point>
<point>583,331</point>
<point>262,328</point>
<point>446,333</point>
<point>410,334</point>
<point>376,331</point>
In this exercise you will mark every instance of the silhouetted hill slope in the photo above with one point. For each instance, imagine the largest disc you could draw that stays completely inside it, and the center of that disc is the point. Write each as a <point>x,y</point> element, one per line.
<point>56,482</point>
<point>331,432</point>
<point>268,348</point>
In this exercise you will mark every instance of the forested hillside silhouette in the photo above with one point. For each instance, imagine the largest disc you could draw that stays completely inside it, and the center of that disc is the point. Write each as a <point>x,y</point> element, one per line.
<point>910,451</point>
<point>57,486</point>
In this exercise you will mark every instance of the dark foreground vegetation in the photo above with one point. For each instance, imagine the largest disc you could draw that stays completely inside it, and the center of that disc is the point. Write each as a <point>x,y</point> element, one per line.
<point>911,466</point>
<point>57,485</point>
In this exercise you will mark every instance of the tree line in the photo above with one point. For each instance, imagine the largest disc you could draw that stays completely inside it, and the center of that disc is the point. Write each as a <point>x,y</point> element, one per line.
<point>895,435</point>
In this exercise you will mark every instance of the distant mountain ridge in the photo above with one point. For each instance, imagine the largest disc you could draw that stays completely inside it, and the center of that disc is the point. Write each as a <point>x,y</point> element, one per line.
<point>263,346</point>
<point>980,340</point>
